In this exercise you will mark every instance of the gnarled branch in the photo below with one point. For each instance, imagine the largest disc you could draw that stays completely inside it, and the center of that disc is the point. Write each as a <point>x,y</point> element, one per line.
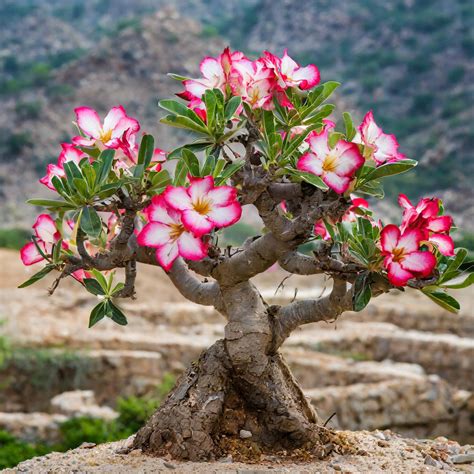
<point>290,317</point>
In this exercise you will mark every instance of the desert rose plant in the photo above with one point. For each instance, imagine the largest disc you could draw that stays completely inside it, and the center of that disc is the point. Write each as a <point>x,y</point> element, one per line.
<point>259,135</point>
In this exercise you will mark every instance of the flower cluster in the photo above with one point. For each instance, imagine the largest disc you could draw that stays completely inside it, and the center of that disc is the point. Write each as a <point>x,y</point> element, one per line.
<point>118,131</point>
<point>408,249</point>
<point>180,217</point>
<point>337,165</point>
<point>257,82</point>
<point>46,236</point>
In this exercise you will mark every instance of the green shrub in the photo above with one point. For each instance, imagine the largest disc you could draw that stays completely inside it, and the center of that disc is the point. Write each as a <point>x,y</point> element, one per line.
<point>13,451</point>
<point>13,238</point>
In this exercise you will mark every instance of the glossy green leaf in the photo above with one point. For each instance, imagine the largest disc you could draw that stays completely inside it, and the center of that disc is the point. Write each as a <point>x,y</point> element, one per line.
<point>444,300</point>
<point>179,121</point>
<point>349,126</point>
<point>231,107</point>
<point>228,172</point>
<point>310,178</point>
<point>116,314</point>
<point>390,169</point>
<point>362,292</point>
<point>98,313</point>
<point>90,222</point>
<point>37,276</point>
<point>468,281</point>
<point>191,161</point>
<point>180,174</point>
<point>177,77</point>
<point>146,150</point>
<point>177,108</point>
<point>93,286</point>
<point>50,203</point>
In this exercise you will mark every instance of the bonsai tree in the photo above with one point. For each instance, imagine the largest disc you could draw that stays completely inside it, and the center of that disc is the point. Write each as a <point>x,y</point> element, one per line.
<point>257,134</point>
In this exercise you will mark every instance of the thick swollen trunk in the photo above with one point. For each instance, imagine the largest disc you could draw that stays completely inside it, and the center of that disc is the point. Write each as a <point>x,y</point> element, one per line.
<point>237,384</point>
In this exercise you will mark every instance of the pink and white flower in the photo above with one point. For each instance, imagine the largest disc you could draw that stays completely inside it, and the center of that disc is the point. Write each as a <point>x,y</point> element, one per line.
<point>425,217</point>
<point>165,232</point>
<point>381,146</point>
<point>289,73</point>
<point>403,259</point>
<point>69,153</point>
<point>215,73</point>
<point>357,204</point>
<point>129,147</point>
<point>335,166</point>
<point>107,134</point>
<point>254,82</point>
<point>204,206</point>
<point>46,236</point>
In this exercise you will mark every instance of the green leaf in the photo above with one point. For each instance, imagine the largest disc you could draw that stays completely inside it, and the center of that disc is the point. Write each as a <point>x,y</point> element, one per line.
<point>374,188</point>
<point>101,279</point>
<point>309,178</point>
<point>317,96</point>
<point>178,121</point>
<point>231,106</point>
<point>219,167</point>
<point>443,299</point>
<point>194,147</point>
<point>177,77</point>
<point>177,108</point>
<point>334,137</point>
<point>93,286</point>
<point>106,160</point>
<point>37,276</point>
<point>98,313</point>
<point>56,253</point>
<point>229,171</point>
<point>468,281</point>
<point>81,187</point>
<point>453,265</point>
<point>210,100</point>
<point>349,125</point>
<point>90,221</point>
<point>390,169</point>
<point>362,292</point>
<point>161,179</point>
<point>59,186</point>
<point>50,203</point>
<point>319,115</point>
<point>191,161</point>
<point>118,287</point>
<point>116,314</point>
<point>147,148</point>
<point>72,171</point>
<point>210,162</point>
<point>180,174</point>
<point>138,170</point>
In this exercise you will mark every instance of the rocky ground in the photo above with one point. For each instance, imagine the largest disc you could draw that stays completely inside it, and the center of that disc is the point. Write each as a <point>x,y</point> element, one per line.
<point>377,451</point>
<point>402,364</point>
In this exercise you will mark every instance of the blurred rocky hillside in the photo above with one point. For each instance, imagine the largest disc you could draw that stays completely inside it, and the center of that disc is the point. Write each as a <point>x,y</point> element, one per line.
<point>409,60</point>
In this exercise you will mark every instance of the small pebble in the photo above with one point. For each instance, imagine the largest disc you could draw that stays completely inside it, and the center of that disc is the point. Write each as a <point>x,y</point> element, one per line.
<point>227,459</point>
<point>169,465</point>
<point>462,458</point>
<point>429,461</point>
<point>244,434</point>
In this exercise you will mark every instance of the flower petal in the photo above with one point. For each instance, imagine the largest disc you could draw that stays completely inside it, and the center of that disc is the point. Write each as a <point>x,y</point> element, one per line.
<point>368,129</point>
<point>419,262</point>
<point>197,223</point>
<point>397,275</point>
<point>177,197</point>
<point>225,216</point>
<point>45,229</point>
<point>307,76</point>
<point>440,224</point>
<point>319,144</point>
<point>191,247</point>
<point>29,254</point>
<point>389,237</point>
<point>200,187</point>
<point>167,254</point>
<point>222,195</point>
<point>349,159</point>
<point>113,117</point>
<point>211,68</point>
<point>404,202</point>
<point>88,121</point>
<point>158,211</point>
<point>340,184</point>
<point>410,240</point>
<point>126,124</point>
<point>444,243</point>
<point>310,163</point>
<point>51,171</point>
<point>154,234</point>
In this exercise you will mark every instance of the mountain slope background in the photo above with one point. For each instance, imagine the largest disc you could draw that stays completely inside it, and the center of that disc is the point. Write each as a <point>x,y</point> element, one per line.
<point>408,60</point>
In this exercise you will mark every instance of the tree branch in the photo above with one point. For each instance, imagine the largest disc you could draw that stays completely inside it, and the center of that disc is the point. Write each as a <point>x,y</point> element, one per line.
<point>288,318</point>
